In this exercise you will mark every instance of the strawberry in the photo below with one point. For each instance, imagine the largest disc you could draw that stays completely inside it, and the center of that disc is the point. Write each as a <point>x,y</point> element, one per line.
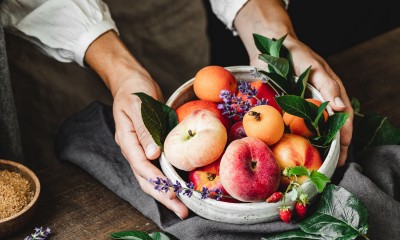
<point>285,214</point>
<point>301,209</point>
<point>275,197</point>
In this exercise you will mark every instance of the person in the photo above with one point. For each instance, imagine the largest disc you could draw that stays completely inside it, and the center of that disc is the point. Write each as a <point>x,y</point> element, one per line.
<point>84,32</point>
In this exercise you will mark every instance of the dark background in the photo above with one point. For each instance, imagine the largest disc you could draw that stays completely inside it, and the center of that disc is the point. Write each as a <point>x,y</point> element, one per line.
<point>328,27</point>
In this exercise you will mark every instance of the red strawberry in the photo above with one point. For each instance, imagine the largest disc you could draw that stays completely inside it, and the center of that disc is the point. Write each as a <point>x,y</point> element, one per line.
<point>285,214</point>
<point>301,209</point>
<point>275,197</point>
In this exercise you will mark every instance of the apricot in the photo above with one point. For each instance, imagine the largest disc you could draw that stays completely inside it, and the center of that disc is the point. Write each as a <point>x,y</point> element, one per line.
<point>294,150</point>
<point>297,125</point>
<point>209,82</point>
<point>265,123</point>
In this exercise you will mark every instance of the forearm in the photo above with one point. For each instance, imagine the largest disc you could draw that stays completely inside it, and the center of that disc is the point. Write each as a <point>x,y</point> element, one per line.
<point>112,61</point>
<point>264,17</point>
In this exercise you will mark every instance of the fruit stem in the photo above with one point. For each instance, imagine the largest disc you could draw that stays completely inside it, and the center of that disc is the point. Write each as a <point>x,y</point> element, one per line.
<point>256,115</point>
<point>191,133</point>
<point>364,236</point>
<point>211,176</point>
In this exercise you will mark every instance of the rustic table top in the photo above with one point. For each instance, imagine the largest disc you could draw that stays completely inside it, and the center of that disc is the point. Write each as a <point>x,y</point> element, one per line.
<point>76,206</point>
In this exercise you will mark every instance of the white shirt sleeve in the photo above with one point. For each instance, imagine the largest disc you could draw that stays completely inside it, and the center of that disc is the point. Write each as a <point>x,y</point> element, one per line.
<point>63,29</point>
<point>226,10</point>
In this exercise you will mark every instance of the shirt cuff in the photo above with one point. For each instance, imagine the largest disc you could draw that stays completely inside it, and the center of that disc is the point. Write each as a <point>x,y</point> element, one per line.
<point>88,37</point>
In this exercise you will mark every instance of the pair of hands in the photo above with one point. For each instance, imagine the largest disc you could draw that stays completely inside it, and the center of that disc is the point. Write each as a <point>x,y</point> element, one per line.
<point>138,146</point>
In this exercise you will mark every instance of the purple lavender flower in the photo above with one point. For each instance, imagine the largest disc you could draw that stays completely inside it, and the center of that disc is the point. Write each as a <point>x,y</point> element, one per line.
<point>39,234</point>
<point>189,190</point>
<point>246,89</point>
<point>218,194</point>
<point>205,193</point>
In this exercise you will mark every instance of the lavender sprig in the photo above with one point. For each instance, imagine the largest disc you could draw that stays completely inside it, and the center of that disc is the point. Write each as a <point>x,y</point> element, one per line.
<point>164,185</point>
<point>39,234</point>
<point>234,106</point>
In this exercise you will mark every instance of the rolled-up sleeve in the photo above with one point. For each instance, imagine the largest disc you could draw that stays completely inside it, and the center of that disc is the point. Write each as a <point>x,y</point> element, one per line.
<point>226,10</point>
<point>63,29</point>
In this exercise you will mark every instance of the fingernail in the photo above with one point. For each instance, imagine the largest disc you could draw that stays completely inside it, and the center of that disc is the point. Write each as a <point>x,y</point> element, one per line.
<point>151,149</point>
<point>339,102</point>
<point>178,215</point>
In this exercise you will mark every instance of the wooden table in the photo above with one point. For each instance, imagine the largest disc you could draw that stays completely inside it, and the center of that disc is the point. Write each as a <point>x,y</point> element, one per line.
<point>76,206</point>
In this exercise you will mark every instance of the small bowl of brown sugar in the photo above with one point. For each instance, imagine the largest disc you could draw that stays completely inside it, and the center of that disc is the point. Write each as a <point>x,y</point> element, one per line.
<point>19,192</point>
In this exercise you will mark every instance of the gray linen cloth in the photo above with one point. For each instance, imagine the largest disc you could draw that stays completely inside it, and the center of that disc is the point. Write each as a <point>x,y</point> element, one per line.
<point>87,140</point>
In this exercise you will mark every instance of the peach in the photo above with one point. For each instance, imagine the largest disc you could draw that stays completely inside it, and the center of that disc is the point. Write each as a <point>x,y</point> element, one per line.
<point>198,140</point>
<point>265,123</point>
<point>293,150</point>
<point>264,91</point>
<point>187,108</point>
<point>249,171</point>
<point>297,124</point>
<point>236,132</point>
<point>208,176</point>
<point>209,82</point>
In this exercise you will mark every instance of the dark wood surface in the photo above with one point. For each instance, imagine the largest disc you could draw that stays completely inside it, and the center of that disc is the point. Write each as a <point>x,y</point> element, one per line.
<point>76,206</point>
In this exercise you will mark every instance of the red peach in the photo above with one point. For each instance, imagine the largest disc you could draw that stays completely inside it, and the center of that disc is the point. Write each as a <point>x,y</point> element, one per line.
<point>249,171</point>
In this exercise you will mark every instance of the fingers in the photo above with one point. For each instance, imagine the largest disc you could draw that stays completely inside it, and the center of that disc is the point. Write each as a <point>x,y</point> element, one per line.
<point>174,204</point>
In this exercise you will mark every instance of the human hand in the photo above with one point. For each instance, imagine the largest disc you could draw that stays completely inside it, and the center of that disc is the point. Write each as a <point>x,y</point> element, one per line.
<point>326,81</point>
<point>124,75</point>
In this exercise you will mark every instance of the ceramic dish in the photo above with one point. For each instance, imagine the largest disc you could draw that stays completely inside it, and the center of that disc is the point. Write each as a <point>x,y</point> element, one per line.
<point>242,213</point>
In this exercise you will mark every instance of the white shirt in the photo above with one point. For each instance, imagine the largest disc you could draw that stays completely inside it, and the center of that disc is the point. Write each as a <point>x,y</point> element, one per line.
<point>64,29</point>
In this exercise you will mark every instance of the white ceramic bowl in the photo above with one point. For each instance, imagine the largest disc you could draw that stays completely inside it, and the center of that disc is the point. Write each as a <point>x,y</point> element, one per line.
<point>242,213</point>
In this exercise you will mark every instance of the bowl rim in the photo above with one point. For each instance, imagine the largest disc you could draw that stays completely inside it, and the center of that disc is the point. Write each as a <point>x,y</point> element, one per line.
<point>37,188</point>
<point>251,205</point>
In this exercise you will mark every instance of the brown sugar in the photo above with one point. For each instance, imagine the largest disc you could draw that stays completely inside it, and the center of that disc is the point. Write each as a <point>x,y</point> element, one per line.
<point>15,193</point>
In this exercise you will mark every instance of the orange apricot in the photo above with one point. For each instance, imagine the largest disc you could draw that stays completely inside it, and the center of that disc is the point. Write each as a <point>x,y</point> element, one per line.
<point>209,82</point>
<point>265,123</point>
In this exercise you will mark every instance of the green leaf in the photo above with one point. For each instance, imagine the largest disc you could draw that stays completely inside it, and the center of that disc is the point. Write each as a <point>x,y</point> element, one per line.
<point>280,65</point>
<point>321,110</point>
<point>158,118</point>
<point>298,171</point>
<point>278,81</point>
<point>301,84</point>
<point>275,47</point>
<point>340,215</point>
<point>374,130</point>
<point>355,104</point>
<point>131,235</point>
<point>159,236</point>
<point>262,43</point>
<point>296,234</point>
<point>294,194</point>
<point>333,125</point>
<point>297,106</point>
<point>319,180</point>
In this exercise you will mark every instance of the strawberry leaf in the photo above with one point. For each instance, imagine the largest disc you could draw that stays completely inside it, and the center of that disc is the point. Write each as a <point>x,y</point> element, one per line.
<point>319,180</point>
<point>158,118</point>
<point>298,171</point>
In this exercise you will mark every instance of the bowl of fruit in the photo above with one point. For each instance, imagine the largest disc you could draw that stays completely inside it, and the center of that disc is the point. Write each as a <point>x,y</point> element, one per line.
<point>245,148</point>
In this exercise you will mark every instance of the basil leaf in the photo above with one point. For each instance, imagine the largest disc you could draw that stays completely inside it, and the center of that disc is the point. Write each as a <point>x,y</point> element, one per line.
<point>159,236</point>
<point>298,170</point>
<point>375,130</point>
<point>158,118</point>
<point>275,47</point>
<point>340,215</point>
<point>297,106</point>
<point>296,234</point>
<point>278,80</point>
<point>280,65</point>
<point>131,235</point>
<point>319,180</point>
<point>333,125</point>
<point>301,84</point>
<point>262,43</point>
